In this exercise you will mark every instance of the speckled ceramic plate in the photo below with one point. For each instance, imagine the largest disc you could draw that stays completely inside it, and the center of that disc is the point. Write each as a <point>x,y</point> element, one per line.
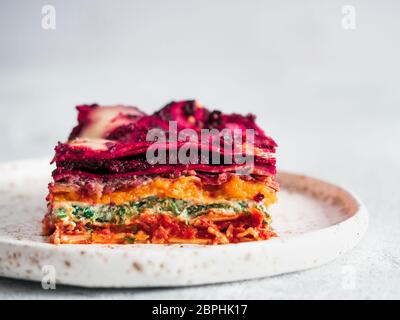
<point>316,221</point>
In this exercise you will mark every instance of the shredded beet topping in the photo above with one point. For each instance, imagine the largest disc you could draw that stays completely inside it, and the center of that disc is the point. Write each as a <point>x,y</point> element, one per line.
<point>187,114</point>
<point>110,143</point>
<point>83,119</point>
<point>97,122</point>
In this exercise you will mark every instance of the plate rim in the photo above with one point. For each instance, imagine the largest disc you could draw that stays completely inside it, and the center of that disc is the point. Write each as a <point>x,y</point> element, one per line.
<point>359,217</point>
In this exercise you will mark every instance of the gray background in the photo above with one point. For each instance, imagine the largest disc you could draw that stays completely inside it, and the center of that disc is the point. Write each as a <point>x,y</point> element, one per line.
<point>329,96</point>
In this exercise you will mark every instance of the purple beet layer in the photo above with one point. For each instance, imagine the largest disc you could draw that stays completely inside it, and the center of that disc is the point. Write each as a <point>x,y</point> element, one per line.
<point>122,144</point>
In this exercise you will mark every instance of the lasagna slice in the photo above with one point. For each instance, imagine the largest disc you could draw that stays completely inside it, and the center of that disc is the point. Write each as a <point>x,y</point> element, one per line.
<point>106,190</point>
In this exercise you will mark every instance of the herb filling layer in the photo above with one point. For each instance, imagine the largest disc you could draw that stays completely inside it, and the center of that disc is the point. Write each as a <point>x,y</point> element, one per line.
<point>119,214</point>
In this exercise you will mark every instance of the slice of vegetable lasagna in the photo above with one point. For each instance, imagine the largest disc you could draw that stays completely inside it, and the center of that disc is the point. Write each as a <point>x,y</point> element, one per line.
<point>184,174</point>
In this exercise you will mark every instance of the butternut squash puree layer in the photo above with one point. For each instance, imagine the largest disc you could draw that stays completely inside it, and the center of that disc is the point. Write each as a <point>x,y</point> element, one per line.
<point>189,188</point>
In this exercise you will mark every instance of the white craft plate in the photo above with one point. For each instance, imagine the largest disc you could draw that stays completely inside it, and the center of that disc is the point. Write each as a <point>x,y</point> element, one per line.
<point>317,222</point>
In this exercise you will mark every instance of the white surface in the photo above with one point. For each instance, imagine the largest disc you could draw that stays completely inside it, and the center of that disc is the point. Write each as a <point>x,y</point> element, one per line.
<point>309,213</point>
<point>329,96</point>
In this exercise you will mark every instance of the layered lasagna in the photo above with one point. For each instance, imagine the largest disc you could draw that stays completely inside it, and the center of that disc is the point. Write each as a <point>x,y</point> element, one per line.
<point>124,177</point>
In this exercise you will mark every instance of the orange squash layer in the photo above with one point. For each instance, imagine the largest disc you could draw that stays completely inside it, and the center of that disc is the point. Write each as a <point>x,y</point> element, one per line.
<point>189,188</point>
